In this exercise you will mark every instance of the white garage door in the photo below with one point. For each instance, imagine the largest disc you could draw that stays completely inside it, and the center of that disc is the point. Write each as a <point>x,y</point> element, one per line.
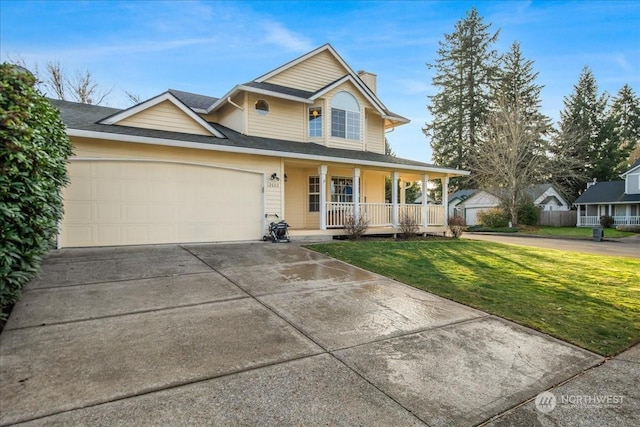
<point>471,215</point>
<point>137,202</point>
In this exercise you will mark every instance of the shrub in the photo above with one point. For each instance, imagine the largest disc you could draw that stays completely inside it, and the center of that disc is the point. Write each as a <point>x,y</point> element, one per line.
<point>457,225</point>
<point>355,227</point>
<point>493,218</point>
<point>33,157</point>
<point>408,225</point>
<point>606,221</point>
<point>528,214</point>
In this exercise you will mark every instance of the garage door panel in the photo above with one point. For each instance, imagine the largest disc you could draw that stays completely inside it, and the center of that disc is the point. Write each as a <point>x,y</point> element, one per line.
<point>129,202</point>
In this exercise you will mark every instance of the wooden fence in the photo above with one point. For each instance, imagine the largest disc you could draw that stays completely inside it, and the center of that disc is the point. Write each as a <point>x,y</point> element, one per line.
<point>557,218</point>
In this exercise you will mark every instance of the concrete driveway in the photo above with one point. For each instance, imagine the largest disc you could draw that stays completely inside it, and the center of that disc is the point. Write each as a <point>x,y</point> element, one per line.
<point>627,247</point>
<point>247,334</point>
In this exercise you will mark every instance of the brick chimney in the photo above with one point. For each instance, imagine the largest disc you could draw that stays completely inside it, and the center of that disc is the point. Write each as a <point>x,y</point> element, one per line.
<point>369,79</point>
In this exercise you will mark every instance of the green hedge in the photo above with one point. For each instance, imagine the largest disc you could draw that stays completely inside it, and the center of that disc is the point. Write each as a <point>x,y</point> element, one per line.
<point>33,155</point>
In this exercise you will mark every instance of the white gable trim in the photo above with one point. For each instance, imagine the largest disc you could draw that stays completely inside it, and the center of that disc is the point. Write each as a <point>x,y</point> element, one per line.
<point>631,171</point>
<point>114,119</point>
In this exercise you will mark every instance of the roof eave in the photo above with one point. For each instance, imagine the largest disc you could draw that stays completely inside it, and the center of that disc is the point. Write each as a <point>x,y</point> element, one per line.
<point>272,153</point>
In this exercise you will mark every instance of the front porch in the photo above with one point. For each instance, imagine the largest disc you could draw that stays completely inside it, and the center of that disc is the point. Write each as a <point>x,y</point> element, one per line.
<point>622,214</point>
<point>592,221</point>
<point>321,199</point>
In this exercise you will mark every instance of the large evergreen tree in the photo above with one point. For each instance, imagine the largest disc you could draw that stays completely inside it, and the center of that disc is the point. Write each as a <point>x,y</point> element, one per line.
<point>465,73</point>
<point>582,135</point>
<point>624,118</point>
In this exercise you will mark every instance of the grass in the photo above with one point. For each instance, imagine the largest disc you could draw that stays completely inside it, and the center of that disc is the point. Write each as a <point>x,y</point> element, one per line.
<point>585,232</point>
<point>588,300</point>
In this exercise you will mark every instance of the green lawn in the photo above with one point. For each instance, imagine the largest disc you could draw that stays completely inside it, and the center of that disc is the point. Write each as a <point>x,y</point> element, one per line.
<point>591,301</point>
<point>586,232</point>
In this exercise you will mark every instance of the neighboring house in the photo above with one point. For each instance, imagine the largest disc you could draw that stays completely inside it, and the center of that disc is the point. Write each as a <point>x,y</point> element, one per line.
<point>548,198</point>
<point>619,199</point>
<point>304,142</point>
<point>478,201</point>
<point>469,203</point>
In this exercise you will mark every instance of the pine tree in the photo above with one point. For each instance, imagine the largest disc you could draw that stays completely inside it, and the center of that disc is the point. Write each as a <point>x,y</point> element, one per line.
<point>465,74</point>
<point>583,134</point>
<point>624,117</point>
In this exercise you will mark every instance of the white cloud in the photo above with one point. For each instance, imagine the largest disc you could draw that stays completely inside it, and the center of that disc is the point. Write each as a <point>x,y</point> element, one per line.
<point>277,34</point>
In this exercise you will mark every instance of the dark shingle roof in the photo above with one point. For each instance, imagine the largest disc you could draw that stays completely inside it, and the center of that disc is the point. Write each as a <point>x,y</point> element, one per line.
<point>193,100</point>
<point>536,190</point>
<point>280,89</point>
<point>462,194</point>
<point>86,117</point>
<point>606,192</point>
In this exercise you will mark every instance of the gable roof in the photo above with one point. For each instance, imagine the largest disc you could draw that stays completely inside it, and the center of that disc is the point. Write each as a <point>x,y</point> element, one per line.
<point>606,192</point>
<point>260,85</point>
<point>166,96</point>
<point>537,190</point>
<point>198,103</point>
<point>83,120</point>
<point>462,194</point>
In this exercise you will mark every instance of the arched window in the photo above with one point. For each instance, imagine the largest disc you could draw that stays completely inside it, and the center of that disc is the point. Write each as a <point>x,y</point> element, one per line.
<point>345,116</point>
<point>262,107</point>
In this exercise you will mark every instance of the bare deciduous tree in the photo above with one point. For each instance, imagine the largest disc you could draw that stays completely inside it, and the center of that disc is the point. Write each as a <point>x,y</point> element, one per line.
<point>510,156</point>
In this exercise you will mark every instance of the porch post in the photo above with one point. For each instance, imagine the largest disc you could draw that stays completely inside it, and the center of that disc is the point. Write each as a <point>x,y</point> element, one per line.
<point>578,220</point>
<point>425,208</point>
<point>403,192</point>
<point>395,176</point>
<point>322,171</point>
<point>445,199</point>
<point>356,193</point>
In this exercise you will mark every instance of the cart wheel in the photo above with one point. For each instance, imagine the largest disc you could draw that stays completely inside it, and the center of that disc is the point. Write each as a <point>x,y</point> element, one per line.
<point>264,238</point>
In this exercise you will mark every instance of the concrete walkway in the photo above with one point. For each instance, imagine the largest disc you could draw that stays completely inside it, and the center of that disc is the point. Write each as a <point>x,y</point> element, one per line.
<point>265,334</point>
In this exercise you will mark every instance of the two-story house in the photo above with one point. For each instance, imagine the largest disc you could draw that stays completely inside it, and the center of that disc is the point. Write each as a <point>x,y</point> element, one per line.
<point>618,199</point>
<point>305,141</point>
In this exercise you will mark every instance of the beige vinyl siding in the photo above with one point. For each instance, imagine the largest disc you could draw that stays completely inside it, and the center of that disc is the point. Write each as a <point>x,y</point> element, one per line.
<point>285,120</point>
<point>312,74</point>
<point>230,116</point>
<point>93,148</point>
<point>373,186</point>
<point>165,116</point>
<point>374,132</point>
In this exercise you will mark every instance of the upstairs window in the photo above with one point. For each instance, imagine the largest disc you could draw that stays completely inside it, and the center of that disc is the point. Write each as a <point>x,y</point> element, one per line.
<point>345,116</point>
<point>262,107</point>
<point>315,122</point>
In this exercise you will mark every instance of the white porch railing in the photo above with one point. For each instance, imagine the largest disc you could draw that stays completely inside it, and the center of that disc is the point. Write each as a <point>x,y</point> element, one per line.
<point>380,214</point>
<point>592,221</point>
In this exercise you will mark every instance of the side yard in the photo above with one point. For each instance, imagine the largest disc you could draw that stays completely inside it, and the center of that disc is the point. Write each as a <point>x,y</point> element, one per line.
<point>588,300</point>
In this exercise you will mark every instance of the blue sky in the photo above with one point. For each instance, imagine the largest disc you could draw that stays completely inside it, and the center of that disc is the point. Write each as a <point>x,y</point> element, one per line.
<point>207,47</point>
